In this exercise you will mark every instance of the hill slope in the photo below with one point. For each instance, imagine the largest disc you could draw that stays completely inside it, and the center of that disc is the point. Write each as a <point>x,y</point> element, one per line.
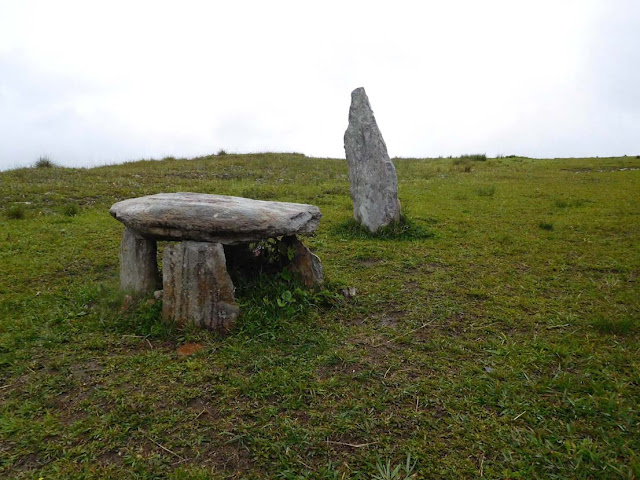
<point>502,344</point>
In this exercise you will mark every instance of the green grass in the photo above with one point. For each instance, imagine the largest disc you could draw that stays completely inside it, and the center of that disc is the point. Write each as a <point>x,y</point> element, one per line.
<point>480,344</point>
<point>546,225</point>
<point>475,157</point>
<point>486,191</point>
<point>70,210</point>
<point>405,229</point>
<point>15,212</point>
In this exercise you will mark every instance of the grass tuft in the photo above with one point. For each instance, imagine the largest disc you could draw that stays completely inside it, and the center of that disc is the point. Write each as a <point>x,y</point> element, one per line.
<point>614,326</point>
<point>16,212</point>
<point>44,162</point>
<point>546,225</point>
<point>486,191</point>
<point>70,210</point>
<point>402,471</point>
<point>474,157</point>
<point>405,229</point>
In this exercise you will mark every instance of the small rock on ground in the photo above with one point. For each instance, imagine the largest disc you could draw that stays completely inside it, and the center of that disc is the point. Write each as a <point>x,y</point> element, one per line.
<point>189,349</point>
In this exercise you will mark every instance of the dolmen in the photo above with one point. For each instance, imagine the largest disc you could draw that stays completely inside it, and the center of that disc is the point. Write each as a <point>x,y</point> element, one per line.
<point>196,285</point>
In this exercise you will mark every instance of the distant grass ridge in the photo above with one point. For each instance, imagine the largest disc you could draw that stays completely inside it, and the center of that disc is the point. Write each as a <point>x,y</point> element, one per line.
<point>474,157</point>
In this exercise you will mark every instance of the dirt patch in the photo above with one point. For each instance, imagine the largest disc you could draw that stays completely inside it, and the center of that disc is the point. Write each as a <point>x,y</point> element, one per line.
<point>391,319</point>
<point>85,372</point>
<point>369,262</point>
<point>67,405</point>
<point>112,457</point>
<point>301,416</point>
<point>325,372</point>
<point>30,461</point>
<point>412,286</point>
<point>133,347</point>
<point>203,409</point>
<point>230,457</point>
<point>601,170</point>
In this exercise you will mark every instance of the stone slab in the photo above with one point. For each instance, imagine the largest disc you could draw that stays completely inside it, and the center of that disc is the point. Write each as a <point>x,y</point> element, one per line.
<point>196,286</point>
<point>214,218</point>
<point>305,263</point>
<point>138,263</point>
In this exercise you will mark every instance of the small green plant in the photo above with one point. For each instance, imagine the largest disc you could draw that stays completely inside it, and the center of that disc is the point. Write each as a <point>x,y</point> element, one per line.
<point>44,162</point>
<point>402,471</point>
<point>70,210</point>
<point>546,225</point>
<point>487,191</point>
<point>16,212</point>
<point>272,304</point>
<point>221,152</point>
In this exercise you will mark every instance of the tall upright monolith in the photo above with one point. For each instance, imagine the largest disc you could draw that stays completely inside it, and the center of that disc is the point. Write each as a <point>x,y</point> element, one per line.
<point>372,176</point>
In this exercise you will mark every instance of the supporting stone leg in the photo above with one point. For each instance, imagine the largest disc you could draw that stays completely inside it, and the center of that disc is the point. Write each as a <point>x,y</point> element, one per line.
<point>138,263</point>
<point>304,262</point>
<point>197,287</point>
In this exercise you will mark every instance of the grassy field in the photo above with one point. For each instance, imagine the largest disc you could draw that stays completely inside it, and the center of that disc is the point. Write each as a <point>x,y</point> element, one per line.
<point>496,339</point>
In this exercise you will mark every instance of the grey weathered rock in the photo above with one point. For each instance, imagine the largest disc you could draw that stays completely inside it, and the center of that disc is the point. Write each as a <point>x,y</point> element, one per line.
<point>214,218</point>
<point>372,176</point>
<point>349,292</point>
<point>138,263</point>
<point>196,286</point>
<point>304,262</point>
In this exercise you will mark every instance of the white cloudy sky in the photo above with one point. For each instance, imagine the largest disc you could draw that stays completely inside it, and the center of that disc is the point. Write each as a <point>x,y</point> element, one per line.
<point>93,82</point>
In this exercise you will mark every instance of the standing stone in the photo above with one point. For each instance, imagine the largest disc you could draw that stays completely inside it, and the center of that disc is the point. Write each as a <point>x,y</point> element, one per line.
<point>197,287</point>
<point>138,263</point>
<point>372,176</point>
<point>304,263</point>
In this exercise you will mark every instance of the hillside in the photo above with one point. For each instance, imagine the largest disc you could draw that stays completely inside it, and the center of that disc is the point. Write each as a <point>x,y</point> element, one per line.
<point>497,337</point>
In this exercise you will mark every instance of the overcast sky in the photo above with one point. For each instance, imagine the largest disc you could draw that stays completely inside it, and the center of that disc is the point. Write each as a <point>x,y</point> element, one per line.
<point>89,82</point>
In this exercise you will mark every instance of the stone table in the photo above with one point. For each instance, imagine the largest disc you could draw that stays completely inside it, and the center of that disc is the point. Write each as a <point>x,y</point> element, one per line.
<point>196,285</point>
